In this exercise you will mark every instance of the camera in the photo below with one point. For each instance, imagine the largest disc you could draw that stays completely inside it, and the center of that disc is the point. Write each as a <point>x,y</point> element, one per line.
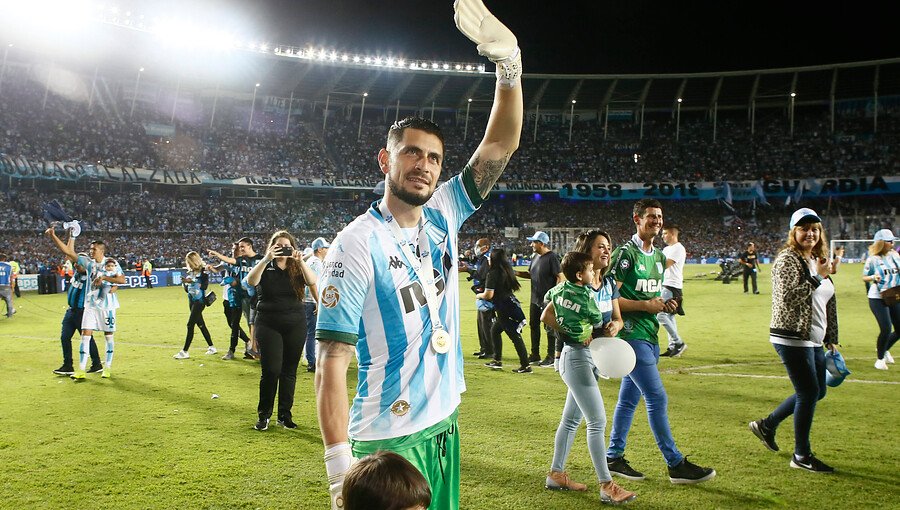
<point>285,251</point>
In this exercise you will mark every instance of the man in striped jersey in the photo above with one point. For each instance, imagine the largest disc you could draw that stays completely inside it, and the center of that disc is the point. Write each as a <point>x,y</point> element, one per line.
<point>389,289</point>
<point>99,314</point>
<point>72,320</point>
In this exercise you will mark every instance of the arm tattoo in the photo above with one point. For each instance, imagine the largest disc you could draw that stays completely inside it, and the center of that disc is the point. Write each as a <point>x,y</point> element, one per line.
<point>487,172</point>
<point>330,349</point>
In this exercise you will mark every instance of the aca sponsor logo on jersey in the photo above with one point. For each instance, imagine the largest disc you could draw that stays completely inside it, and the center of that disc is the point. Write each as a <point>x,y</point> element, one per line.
<point>330,296</point>
<point>565,303</point>
<point>645,285</point>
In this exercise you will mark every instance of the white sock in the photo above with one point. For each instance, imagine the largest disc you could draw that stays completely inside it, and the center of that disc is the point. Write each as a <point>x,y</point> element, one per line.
<point>110,345</point>
<point>85,349</point>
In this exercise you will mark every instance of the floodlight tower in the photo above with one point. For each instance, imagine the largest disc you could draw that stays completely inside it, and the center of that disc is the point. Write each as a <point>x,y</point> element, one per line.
<point>252,106</point>
<point>361,111</point>
<point>137,84</point>
<point>3,67</point>
<point>571,119</point>
<point>678,119</point>
<point>466,125</point>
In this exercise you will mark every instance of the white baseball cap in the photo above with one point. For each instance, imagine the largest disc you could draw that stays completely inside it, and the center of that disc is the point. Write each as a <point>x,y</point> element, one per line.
<point>804,215</point>
<point>540,236</point>
<point>885,234</point>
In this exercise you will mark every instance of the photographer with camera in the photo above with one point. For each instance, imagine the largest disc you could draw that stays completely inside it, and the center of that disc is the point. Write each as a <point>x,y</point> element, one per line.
<point>195,284</point>
<point>280,279</point>
<point>750,262</point>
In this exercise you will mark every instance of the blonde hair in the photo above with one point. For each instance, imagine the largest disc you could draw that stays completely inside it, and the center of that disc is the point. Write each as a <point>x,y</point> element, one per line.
<point>193,261</point>
<point>879,248</point>
<point>820,250</point>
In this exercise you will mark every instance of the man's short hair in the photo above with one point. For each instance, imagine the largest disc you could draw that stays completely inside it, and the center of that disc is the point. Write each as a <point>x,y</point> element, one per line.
<point>3,257</point>
<point>672,227</point>
<point>751,243</point>
<point>395,133</point>
<point>484,241</point>
<point>246,240</point>
<point>641,206</point>
<point>575,262</point>
<point>99,243</point>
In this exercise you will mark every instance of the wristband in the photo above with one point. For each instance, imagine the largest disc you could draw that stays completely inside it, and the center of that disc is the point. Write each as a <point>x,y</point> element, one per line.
<point>338,459</point>
<point>509,70</point>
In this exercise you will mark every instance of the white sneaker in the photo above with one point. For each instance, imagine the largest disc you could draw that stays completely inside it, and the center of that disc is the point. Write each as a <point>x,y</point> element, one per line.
<point>211,350</point>
<point>888,357</point>
<point>881,364</point>
<point>182,355</point>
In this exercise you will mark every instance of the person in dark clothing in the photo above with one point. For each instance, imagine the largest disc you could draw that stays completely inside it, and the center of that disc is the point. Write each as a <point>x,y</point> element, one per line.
<point>280,279</point>
<point>232,302</point>
<point>484,308</point>
<point>498,289</point>
<point>750,261</point>
<point>195,284</point>
<point>72,322</point>
<point>544,273</point>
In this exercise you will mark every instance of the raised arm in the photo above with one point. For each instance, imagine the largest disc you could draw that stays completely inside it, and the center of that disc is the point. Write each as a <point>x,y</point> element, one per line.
<point>68,249</point>
<point>501,137</point>
<point>222,257</point>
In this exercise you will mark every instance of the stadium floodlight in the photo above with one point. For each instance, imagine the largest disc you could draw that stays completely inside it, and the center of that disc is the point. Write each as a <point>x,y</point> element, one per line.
<point>356,58</point>
<point>344,58</point>
<point>679,100</point>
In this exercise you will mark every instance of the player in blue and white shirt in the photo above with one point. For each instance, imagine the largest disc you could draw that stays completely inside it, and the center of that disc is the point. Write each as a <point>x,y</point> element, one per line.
<point>882,272</point>
<point>6,284</point>
<point>95,318</point>
<point>374,303</point>
<point>72,321</point>
<point>318,250</point>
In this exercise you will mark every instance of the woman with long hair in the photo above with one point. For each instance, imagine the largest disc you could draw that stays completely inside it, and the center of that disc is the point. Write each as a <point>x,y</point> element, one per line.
<point>577,369</point>
<point>804,318</point>
<point>195,284</point>
<point>280,328</point>
<point>499,289</point>
<point>882,273</point>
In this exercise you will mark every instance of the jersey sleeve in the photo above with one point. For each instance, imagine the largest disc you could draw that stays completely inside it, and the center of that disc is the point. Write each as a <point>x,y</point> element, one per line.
<point>593,313</point>
<point>491,281</point>
<point>555,266</point>
<point>452,199</point>
<point>869,267</point>
<point>346,278</point>
<point>621,264</point>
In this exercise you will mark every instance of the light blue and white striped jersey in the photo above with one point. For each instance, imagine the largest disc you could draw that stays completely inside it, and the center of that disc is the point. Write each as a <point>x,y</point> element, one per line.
<point>370,295</point>
<point>315,264</point>
<point>94,299</point>
<point>886,266</point>
<point>604,295</point>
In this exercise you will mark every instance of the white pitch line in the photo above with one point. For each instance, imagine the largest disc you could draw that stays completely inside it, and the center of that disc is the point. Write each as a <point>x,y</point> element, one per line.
<point>757,376</point>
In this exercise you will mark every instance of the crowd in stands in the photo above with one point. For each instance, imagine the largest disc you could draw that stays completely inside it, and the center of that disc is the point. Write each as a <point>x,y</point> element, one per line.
<point>53,127</point>
<point>163,227</point>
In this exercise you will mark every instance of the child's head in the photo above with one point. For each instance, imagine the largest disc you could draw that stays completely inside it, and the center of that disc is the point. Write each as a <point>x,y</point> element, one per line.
<point>109,264</point>
<point>385,481</point>
<point>578,267</point>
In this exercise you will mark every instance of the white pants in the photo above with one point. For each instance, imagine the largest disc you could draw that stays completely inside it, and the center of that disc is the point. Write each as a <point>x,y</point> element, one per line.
<point>96,319</point>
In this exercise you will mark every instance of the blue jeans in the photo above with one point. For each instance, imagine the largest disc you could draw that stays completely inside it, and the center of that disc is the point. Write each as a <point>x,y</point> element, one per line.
<point>887,317</point>
<point>644,381</point>
<point>310,333</point>
<point>806,369</point>
<point>70,324</point>
<point>583,399</point>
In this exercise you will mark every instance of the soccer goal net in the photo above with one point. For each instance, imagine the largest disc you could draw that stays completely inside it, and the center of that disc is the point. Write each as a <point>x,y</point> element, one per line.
<point>855,250</point>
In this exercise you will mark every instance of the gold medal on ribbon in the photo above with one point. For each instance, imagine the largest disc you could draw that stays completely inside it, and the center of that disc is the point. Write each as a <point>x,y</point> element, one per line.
<point>440,341</point>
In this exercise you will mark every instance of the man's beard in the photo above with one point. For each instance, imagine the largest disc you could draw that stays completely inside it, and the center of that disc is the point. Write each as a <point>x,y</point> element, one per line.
<point>406,196</point>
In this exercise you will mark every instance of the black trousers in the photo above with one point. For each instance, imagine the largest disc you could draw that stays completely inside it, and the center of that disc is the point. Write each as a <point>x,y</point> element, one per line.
<point>749,273</point>
<point>233,318</point>
<point>280,337</point>
<point>196,319</point>
<point>509,327</point>
<point>147,281</point>
<point>484,321</point>
<point>887,317</point>
<point>534,320</point>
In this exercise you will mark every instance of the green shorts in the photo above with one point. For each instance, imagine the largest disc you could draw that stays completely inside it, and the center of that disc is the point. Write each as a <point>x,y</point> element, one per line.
<point>434,451</point>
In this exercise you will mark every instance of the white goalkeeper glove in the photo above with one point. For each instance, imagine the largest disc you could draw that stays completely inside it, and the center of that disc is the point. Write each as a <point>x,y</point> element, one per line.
<point>494,40</point>
<point>74,227</point>
<point>338,459</point>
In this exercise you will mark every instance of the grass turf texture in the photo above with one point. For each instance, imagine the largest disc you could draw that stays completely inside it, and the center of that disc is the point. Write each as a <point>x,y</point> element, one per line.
<point>153,436</point>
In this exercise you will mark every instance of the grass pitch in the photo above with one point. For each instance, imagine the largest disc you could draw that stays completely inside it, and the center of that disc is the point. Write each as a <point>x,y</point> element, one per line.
<point>153,436</point>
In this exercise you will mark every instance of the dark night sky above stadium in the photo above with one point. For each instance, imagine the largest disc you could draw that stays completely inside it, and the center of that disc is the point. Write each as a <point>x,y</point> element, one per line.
<point>605,37</point>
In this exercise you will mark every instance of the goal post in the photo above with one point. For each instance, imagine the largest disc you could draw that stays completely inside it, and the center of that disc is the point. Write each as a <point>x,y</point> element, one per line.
<point>855,250</point>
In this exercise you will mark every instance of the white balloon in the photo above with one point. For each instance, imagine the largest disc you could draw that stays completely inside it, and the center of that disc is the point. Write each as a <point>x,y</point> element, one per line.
<point>613,357</point>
